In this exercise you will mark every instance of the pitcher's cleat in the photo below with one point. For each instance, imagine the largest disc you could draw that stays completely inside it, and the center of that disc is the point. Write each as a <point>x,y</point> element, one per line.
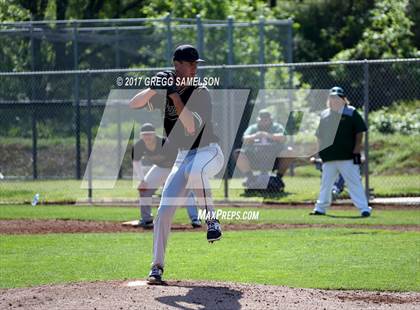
<point>196,223</point>
<point>155,275</point>
<point>367,213</point>
<point>214,231</point>
<point>316,213</point>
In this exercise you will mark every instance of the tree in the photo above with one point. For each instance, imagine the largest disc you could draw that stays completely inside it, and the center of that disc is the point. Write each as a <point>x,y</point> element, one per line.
<point>388,35</point>
<point>414,14</point>
<point>323,28</point>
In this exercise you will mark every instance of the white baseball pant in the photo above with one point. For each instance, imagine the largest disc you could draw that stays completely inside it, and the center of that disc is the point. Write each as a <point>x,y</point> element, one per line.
<point>351,175</point>
<point>191,171</point>
<point>155,178</point>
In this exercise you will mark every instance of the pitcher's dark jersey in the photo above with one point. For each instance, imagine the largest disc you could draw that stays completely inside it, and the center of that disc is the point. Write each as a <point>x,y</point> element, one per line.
<point>198,101</point>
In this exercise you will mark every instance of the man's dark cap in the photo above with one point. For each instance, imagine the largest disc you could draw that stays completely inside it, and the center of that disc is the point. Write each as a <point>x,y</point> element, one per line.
<point>147,128</point>
<point>337,91</point>
<point>187,52</point>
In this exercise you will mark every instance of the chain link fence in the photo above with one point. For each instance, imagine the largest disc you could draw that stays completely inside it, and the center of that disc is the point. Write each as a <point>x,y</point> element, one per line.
<point>49,121</point>
<point>140,42</point>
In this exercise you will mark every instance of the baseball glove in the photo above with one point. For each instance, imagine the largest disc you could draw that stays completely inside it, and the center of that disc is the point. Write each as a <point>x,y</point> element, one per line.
<point>164,80</point>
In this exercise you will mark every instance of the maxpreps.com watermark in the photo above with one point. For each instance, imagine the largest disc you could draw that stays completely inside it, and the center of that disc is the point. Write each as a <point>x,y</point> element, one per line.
<point>229,215</point>
<point>130,81</point>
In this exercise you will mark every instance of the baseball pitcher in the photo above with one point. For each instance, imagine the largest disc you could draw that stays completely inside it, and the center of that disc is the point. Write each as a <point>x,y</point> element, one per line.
<point>187,113</point>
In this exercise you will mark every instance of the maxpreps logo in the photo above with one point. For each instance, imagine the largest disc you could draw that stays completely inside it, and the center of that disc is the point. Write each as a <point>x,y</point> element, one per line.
<point>229,215</point>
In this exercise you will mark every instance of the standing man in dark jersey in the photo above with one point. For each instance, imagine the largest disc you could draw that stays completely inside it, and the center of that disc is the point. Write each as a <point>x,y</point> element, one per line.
<point>187,112</point>
<point>343,155</point>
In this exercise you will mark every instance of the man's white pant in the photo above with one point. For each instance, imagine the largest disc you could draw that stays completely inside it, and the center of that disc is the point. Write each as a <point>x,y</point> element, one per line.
<point>191,171</point>
<point>351,175</point>
<point>155,178</point>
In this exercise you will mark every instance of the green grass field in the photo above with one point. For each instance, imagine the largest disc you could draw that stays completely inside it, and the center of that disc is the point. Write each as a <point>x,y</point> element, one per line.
<point>304,187</point>
<point>333,258</point>
<point>278,216</point>
<point>319,258</point>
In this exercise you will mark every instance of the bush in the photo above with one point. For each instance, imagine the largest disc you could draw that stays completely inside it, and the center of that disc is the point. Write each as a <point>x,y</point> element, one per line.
<point>402,117</point>
<point>394,154</point>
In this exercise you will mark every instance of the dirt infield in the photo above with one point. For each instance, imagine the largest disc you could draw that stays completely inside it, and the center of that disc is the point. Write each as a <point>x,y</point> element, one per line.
<point>76,226</point>
<point>197,295</point>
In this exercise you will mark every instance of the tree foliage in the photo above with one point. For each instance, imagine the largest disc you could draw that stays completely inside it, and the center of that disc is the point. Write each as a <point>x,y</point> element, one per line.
<point>387,36</point>
<point>323,30</point>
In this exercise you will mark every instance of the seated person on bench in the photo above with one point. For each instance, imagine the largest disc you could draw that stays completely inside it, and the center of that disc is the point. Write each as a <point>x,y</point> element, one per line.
<point>264,149</point>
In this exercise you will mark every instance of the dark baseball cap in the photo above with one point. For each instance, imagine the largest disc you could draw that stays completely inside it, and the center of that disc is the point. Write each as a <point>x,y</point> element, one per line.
<point>187,52</point>
<point>337,91</point>
<point>147,128</point>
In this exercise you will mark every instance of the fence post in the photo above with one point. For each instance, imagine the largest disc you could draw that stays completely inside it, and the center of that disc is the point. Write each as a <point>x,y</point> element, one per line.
<point>89,135</point>
<point>34,110</point>
<point>117,48</point>
<point>200,36</point>
<point>200,40</point>
<point>168,39</point>
<point>289,55</point>
<point>117,62</point>
<point>261,56</point>
<point>119,137</point>
<point>230,58</point>
<point>366,108</point>
<point>289,59</point>
<point>230,108</point>
<point>290,96</point>
<point>76,98</point>
<point>227,126</point>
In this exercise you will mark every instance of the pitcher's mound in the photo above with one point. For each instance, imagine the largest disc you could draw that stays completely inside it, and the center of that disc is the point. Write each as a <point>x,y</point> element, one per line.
<point>136,294</point>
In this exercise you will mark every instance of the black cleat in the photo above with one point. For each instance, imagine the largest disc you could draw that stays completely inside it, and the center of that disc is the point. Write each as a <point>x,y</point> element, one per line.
<point>214,231</point>
<point>145,224</point>
<point>155,275</point>
<point>365,214</point>
<point>316,213</point>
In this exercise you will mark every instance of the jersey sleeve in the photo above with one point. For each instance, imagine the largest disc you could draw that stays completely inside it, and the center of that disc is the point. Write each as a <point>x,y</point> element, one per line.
<point>200,107</point>
<point>317,131</point>
<point>158,101</point>
<point>277,128</point>
<point>323,118</point>
<point>137,151</point>
<point>250,130</point>
<point>359,123</point>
